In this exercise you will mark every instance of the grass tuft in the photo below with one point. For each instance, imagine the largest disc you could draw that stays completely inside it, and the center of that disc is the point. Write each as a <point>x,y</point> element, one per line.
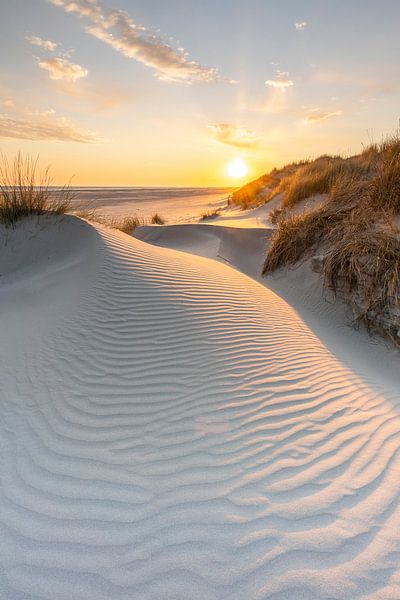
<point>356,228</point>
<point>24,192</point>
<point>157,220</point>
<point>210,214</point>
<point>126,224</point>
<point>363,267</point>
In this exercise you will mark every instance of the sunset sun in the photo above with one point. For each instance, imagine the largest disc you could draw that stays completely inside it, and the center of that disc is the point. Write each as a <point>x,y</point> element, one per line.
<point>237,168</point>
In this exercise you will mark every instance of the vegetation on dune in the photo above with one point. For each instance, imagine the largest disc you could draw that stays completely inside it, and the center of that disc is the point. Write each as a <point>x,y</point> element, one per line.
<point>209,214</point>
<point>125,224</point>
<point>318,177</point>
<point>249,195</point>
<point>301,180</point>
<point>354,229</point>
<point>298,235</point>
<point>363,266</point>
<point>25,192</point>
<point>156,219</point>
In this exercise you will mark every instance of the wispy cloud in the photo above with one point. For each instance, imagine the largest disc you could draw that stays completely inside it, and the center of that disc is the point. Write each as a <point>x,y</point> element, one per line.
<point>45,44</point>
<point>44,129</point>
<point>62,69</point>
<point>316,115</point>
<point>21,122</point>
<point>281,82</point>
<point>116,28</point>
<point>301,25</point>
<point>229,134</point>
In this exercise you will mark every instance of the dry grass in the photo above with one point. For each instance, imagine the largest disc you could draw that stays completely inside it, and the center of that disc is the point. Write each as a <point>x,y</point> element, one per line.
<point>276,215</point>
<point>209,214</point>
<point>157,220</point>
<point>362,187</point>
<point>355,227</point>
<point>249,194</point>
<point>25,192</point>
<point>318,178</point>
<point>297,236</point>
<point>127,224</point>
<point>363,267</point>
<point>384,188</point>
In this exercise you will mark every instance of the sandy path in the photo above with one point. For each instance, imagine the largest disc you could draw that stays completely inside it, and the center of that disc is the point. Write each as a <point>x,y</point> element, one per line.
<point>180,433</point>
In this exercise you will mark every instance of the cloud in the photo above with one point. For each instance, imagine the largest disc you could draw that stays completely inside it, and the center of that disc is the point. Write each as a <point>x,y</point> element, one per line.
<point>8,102</point>
<point>319,115</point>
<point>229,134</point>
<point>45,44</point>
<point>117,29</point>
<point>24,123</point>
<point>62,69</point>
<point>281,82</point>
<point>301,25</point>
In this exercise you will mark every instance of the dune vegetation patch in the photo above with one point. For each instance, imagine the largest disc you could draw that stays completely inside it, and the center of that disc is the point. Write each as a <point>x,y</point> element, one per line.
<point>157,219</point>
<point>209,214</point>
<point>354,231</point>
<point>24,191</point>
<point>126,224</point>
<point>304,179</point>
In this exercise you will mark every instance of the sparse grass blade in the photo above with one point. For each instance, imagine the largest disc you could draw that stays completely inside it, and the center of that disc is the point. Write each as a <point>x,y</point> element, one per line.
<point>25,192</point>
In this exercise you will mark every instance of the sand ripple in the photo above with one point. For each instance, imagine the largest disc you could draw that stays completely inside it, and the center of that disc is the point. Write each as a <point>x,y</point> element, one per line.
<point>182,435</point>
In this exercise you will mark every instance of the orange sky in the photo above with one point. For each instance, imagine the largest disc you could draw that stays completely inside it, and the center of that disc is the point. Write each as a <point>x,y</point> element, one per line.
<point>111,92</point>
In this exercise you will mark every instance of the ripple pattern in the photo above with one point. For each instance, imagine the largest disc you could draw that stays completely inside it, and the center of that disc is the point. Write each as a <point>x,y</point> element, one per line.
<point>182,435</point>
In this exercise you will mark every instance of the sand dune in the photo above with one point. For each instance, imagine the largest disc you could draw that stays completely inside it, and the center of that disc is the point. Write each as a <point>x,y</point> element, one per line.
<point>172,429</point>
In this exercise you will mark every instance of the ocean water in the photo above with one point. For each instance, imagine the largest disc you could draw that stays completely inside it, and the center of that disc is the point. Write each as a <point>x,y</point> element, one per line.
<point>177,203</point>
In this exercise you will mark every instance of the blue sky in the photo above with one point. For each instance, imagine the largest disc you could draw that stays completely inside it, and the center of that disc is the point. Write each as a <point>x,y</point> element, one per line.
<point>265,81</point>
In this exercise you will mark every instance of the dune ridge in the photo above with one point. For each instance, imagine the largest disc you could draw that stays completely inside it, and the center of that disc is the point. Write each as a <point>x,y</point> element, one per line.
<point>180,433</point>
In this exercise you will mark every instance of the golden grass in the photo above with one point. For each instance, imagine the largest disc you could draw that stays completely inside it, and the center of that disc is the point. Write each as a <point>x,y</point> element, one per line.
<point>209,214</point>
<point>363,267</point>
<point>319,177</point>
<point>303,179</point>
<point>298,235</point>
<point>156,219</point>
<point>384,188</point>
<point>355,227</point>
<point>249,195</point>
<point>125,224</point>
<point>25,192</point>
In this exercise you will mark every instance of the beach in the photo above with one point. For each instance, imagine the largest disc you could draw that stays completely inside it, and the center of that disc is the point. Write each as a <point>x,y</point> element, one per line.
<point>176,205</point>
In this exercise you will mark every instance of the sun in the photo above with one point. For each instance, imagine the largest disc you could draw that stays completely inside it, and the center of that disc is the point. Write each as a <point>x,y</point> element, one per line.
<point>237,168</point>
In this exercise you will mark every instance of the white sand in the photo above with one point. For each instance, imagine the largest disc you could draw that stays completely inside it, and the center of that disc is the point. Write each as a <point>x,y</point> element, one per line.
<point>176,205</point>
<point>171,429</point>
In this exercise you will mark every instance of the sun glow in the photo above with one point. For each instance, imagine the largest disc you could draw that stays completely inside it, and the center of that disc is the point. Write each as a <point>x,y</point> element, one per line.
<point>237,168</point>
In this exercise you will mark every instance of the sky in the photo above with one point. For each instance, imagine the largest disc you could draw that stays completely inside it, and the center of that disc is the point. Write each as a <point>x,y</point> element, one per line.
<point>170,92</point>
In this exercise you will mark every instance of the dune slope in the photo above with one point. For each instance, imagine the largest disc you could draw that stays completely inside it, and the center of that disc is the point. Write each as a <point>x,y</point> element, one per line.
<point>179,433</point>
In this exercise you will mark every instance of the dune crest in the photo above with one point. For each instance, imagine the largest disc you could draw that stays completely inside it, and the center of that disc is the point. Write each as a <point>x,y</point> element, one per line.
<point>182,434</point>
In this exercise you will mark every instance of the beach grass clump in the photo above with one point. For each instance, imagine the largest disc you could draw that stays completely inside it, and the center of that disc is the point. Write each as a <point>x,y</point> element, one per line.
<point>363,267</point>
<point>249,195</point>
<point>276,214</point>
<point>126,224</point>
<point>156,219</point>
<point>384,188</point>
<point>297,235</point>
<point>25,192</point>
<point>319,177</point>
<point>356,231</point>
<point>209,214</point>
<point>291,241</point>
